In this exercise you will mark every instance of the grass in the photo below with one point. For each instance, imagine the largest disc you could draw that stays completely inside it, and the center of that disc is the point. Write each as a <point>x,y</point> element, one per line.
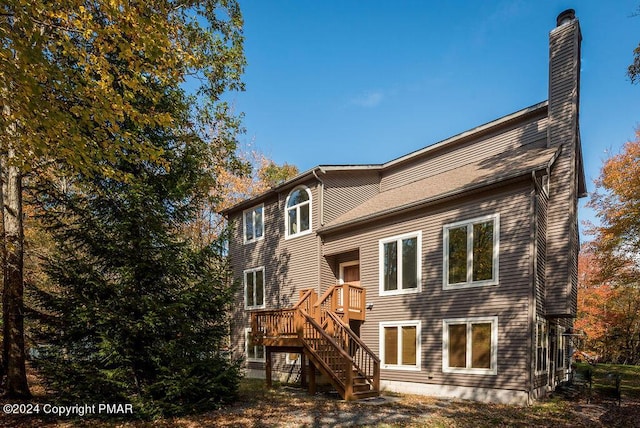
<point>604,379</point>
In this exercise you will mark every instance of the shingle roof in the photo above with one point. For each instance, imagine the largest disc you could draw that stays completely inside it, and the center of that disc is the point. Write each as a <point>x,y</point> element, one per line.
<point>472,176</point>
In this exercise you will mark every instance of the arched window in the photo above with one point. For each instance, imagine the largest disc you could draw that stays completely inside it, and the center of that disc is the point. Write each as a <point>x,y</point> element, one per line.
<point>298,212</point>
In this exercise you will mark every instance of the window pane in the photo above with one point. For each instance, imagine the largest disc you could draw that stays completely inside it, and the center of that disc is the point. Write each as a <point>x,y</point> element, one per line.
<point>410,263</point>
<point>251,350</point>
<point>248,225</point>
<point>293,221</point>
<point>483,251</point>
<point>304,217</point>
<point>297,197</point>
<point>259,288</point>
<point>259,351</point>
<point>390,250</point>
<point>481,346</point>
<point>458,255</point>
<point>258,222</point>
<point>409,345</point>
<point>249,282</point>
<point>458,345</point>
<point>391,345</point>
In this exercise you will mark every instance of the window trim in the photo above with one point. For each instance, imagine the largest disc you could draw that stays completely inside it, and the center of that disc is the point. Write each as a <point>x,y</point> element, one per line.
<point>253,218</point>
<point>287,235</point>
<point>496,253</point>
<point>493,370</point>
<point>264,288</point>
<point>247,332</point>
<point>399,239</point>
<point>561,346</point>
<point>545,323</point>
<point>399,324</point>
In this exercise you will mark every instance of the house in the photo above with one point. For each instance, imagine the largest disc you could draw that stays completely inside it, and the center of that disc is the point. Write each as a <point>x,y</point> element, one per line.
<point>450,271</point>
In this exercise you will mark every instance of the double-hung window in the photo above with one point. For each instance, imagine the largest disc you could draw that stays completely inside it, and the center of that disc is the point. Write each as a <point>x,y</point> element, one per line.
<point>470,345</point>
<point>400,345</point>
<point>400,264</point>
<point>252,351</point>
<point>471,252</point>
<point>254,288</point>
<point>298,212</point>
<point>253,224</point>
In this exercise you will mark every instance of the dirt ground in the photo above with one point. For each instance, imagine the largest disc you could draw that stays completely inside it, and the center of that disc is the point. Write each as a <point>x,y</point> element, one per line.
<point>291,407</point>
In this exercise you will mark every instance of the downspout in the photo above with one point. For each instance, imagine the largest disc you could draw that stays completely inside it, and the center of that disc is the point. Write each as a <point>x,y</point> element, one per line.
<point>319,238</point>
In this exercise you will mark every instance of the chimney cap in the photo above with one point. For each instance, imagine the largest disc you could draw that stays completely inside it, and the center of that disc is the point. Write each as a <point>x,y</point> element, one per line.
<point>565,17</point>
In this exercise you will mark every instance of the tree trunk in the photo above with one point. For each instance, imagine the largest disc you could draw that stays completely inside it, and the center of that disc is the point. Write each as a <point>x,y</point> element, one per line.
<point>13,352</point>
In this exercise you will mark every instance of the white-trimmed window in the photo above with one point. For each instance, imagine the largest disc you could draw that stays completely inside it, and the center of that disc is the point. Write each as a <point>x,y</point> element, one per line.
<point>470,345</point>
<point>400,345</point>
<point>562,343</point>
<point>471,252</point>
<point>253,224</point>
<point>401,264</point>
<point>542,346</point>
<point>253,352</point>
<point>254,288</point>
<point>298,212</point>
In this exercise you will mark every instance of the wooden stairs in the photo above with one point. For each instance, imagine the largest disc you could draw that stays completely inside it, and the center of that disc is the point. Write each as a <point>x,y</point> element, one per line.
<point>319,329</point>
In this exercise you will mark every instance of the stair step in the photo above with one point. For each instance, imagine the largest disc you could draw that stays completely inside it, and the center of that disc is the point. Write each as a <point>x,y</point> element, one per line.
<point>365,394</point>
<point>361,388</point>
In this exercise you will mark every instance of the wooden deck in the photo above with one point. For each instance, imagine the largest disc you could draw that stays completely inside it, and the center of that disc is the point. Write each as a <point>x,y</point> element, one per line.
<point>318,328</point>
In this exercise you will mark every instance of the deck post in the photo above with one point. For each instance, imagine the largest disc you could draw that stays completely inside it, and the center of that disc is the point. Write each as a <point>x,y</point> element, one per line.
<point>268,362</point>
<point>303,369</point>
<point>312,378</point>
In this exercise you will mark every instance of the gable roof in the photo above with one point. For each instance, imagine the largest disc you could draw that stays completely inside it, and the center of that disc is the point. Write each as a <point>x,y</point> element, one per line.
<point>497,169</point>
<point>520,115</point>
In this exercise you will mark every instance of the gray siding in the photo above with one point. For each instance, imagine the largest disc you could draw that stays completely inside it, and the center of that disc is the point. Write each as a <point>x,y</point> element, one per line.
<point>509,300</point>
<point>345,190</point>
<point>564,77</point>
<point>533,131</point>
<point>290,265</point>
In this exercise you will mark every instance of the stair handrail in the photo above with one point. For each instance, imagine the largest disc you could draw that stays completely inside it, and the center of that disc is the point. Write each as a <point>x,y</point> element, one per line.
<point>373,378</point>
<point>345,383</point>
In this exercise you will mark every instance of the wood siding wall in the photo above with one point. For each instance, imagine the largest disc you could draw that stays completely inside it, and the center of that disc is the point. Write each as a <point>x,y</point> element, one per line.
<point>509,300</point>
<point>290,265</point>
<point>533,131</point>
<point>564,78</point>
<point>345,190</point>
<point>542,204</point>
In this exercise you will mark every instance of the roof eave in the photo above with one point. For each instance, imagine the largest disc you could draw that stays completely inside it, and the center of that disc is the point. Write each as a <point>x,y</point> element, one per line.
<point>493,183</point>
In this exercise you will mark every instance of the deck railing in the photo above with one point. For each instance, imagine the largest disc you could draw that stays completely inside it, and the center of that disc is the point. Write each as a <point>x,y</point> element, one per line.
<point>333,300</point>
<point>321,326</point>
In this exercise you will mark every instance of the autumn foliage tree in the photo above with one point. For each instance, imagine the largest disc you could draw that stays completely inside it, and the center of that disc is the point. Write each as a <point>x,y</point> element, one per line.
<point>610,269</point>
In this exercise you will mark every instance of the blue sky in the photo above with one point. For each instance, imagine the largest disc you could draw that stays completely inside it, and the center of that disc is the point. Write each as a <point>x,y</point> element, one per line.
<point>357,82</point>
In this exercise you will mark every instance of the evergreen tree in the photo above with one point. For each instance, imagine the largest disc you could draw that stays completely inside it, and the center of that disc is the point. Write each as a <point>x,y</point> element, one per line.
<point>135,312</point>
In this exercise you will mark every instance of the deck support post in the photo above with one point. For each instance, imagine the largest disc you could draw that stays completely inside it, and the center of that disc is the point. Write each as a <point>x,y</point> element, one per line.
<point>312,378</point>
<point>268,362</point>
<point>303,369</point>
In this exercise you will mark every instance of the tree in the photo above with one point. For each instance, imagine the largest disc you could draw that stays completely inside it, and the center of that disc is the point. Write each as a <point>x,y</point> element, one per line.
<point>614,256</point>
<point>634,69</point>
<point>73,74</point>
<point>616,202</point>
<point>136,312</point>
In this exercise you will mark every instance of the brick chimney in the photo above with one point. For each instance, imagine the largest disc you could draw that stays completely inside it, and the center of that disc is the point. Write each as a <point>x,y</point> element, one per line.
<point>567,176</point>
